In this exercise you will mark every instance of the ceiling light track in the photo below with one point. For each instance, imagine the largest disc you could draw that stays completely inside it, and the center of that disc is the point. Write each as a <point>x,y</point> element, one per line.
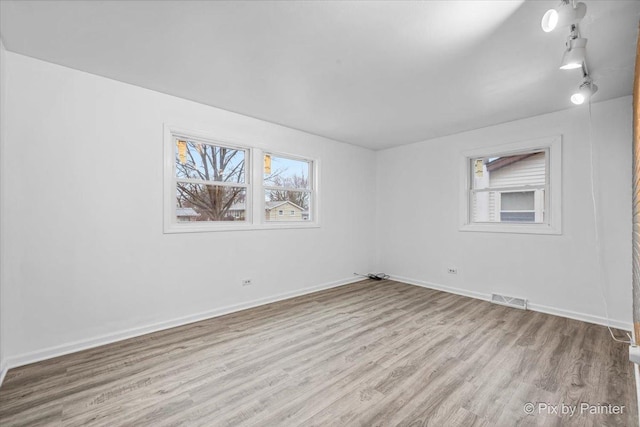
<point>569,14</point>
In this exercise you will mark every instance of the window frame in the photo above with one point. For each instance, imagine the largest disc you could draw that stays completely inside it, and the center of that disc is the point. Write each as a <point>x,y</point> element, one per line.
<point>515,189</point>
<point>536,208</point>
<point>312,190</point>
<point>254,198</point>
<point>552,220</point>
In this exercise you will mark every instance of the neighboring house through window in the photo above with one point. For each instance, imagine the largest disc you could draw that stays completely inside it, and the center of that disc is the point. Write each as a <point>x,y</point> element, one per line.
<point>280,206</point>
<point>514,188</point>
<point>509,188</point>
<point>186,214</point>
<point>289,187</point>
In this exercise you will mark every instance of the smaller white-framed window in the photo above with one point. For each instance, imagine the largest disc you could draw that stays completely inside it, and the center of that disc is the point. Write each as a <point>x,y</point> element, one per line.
<point>289,185</point>
<point>512,188</point>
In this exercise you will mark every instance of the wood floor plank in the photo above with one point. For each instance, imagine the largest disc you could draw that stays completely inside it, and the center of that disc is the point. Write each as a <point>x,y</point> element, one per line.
<point>373,353</point>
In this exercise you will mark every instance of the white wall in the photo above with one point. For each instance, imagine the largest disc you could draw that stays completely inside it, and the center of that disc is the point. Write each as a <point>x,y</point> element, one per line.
<point>3,128</point>
<point>88,261</point>
<point>557,274</point>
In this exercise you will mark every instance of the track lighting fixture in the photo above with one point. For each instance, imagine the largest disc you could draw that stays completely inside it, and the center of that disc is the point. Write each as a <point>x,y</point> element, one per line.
<point>584,92</point>
<point>574,56</point>
<point>567,13</point>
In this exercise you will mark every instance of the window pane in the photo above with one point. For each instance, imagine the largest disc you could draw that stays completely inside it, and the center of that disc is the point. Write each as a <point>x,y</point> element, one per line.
<point>483,206</point>
<point>285,172</point>
<point>509,171</point>
<point>295,203</point>
<point>208,162</point>
<point>518,201</point>
<point>519,206</point>
<point>517,216</point>
<point>201,202</point>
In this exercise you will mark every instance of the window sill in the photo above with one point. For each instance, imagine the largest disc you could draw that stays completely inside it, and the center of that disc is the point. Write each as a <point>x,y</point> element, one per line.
<point>179,229</point>
<point>512,228</point>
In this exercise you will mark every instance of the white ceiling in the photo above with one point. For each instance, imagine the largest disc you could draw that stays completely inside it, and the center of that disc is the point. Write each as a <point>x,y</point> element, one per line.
<point>375,74</point>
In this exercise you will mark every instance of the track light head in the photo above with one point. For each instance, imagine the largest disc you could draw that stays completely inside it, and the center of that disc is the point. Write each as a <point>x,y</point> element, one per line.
<point>584,92</point>
<point>563,15</point>
<point>574,56</point>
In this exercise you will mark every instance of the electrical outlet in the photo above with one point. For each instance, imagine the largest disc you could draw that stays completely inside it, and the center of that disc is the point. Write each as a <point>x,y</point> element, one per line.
<point>452,270</point>
<point>246,282</point>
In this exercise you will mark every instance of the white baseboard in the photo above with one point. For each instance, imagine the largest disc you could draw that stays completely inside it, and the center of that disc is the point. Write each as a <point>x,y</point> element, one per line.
<point>3,371</point>
<point>72,347</point>
<point>451,290</point>
<point>598,320</point>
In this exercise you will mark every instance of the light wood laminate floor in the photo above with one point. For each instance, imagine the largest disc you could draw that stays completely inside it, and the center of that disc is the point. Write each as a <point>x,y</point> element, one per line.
<point>373,353</point>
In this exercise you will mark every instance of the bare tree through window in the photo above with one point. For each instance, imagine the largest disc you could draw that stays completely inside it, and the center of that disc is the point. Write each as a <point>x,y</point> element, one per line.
<point>211,180</point>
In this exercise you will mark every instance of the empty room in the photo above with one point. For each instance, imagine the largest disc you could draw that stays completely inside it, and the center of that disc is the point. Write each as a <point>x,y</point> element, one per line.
<point>319,213</point>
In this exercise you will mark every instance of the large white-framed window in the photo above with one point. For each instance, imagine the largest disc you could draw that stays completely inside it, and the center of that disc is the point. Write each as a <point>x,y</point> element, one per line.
<point>288,183</point>
<point>213,184</point>
<point>512,188</point>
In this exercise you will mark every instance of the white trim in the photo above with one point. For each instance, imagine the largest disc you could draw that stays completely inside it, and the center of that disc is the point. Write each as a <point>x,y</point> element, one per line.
<point>448,289</point>
<point>502,190</point>
<point>553,215</point>
<point>3,372</point>
<point>257,170</point>
<point>598,320</point>
<point>212,183</point>
<point>314,208</point>
<point>195,227</point>
<point>589,318</point>
<point>72,347</point>
<point>276,188</point>
<point>515,228</point>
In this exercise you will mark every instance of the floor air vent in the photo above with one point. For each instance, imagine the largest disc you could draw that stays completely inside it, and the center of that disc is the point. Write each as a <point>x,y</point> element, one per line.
<point>509,301</point>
